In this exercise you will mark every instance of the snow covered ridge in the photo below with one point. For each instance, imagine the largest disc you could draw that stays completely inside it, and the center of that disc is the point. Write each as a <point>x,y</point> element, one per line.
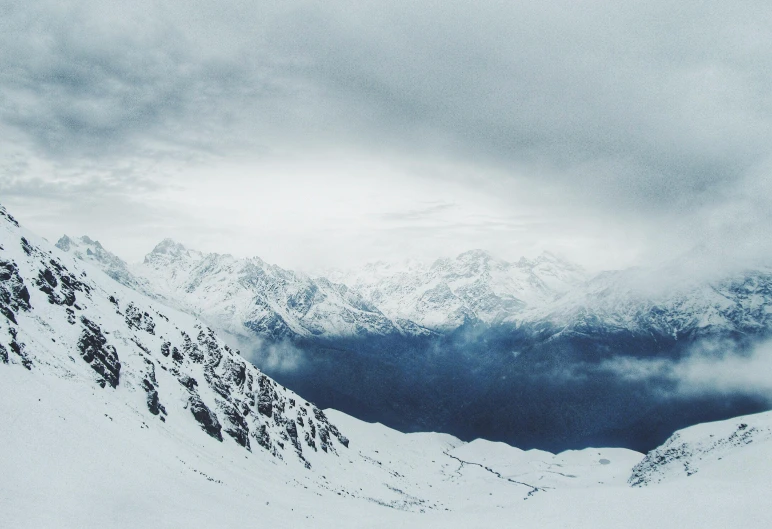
<point>693,449</point>
<point>60,317</point>
<point>244,296</point>
<point>474,286</point>
<point>90,251</point>
<point>547,294</point>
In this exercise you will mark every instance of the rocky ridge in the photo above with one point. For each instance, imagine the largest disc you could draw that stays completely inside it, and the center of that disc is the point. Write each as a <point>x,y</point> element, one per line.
<point>61,317</point>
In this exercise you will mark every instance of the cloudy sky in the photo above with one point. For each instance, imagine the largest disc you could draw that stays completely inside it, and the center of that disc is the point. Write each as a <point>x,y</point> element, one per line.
<point>329,133</point>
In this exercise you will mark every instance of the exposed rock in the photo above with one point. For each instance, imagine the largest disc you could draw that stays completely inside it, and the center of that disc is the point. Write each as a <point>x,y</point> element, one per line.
<point>217,387</point>
<point>205,417</point>
<point>102,357</point>
<point>7,216</point>
<point>138,319</point>
<point>150,385</point>
<point>688,450</point>
<point>235,424</point>
<point>14,295</point>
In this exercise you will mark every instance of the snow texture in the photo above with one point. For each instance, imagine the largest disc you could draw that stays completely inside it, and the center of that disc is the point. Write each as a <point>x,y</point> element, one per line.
<point>121,412</point>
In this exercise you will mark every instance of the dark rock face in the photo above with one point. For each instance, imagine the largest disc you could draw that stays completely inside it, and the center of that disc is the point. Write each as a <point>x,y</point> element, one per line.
<point>190,349</point>
<point>265,397</point>
<point>678,456</point>
<point>310,441</point>
<point>208,420</point>
<point>7,216</point>
<point>292,432</point>
<point>137,319</point>
<point>58,283</point>
<point>150,385</point>
<point>189,382</point>
<point>263,438</point>
<point>102,357</point>
<point>235,424</point>
<point>272,325</point>
<point>26,246</point>
<point>18,348</point>
<point>176,355</point>
<point>14,295</point>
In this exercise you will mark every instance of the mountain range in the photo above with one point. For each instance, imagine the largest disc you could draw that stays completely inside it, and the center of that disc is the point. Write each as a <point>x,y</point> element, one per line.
<point>536,352</point>
<point>250,297</point>
<point>119,410</point>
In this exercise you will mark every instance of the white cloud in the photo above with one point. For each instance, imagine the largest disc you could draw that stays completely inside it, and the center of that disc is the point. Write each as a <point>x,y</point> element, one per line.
<point>712,367</point>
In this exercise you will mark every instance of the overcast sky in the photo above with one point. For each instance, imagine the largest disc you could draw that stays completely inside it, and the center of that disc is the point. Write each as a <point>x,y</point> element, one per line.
<point>336,132</point>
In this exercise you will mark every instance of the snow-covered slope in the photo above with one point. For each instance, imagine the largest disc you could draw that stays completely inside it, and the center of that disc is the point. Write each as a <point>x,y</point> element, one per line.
<point>736,447</point>
<point>63,319</point>
<point>120,412</point>
<point>75,457</point>
<point>475,286</point>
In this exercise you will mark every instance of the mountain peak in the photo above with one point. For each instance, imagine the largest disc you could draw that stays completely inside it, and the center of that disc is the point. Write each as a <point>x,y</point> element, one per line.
<point>7,216</point>
<point>168,248</point>
<point>64,243</point>
<point>475,254</point>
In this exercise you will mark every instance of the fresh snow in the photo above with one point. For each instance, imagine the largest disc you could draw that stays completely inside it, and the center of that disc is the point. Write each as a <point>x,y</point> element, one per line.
<point>75,456</point>
<point>87,444</point>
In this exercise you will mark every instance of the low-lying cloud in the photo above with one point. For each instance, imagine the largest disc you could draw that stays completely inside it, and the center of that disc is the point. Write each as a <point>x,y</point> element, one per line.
<point>280,357</point>
<point>709,368</point>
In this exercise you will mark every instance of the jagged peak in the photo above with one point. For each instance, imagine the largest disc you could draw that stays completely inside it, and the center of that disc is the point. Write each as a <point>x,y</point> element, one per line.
<point>64,243</point>
<point>168,248</point>
<point>7,216</point>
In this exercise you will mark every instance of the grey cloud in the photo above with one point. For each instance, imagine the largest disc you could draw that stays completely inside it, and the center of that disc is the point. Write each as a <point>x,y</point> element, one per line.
<point>80,80</point>
<point>640,114</point>
<point>650,102</point>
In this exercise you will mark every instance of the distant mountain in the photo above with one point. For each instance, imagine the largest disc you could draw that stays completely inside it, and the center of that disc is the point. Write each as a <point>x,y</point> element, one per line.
<point>65,320</point>
<point>118,410</point>
<point>244,296</point>
<point>92,252</point>
<point>251,295</point>
<point>480,347</point>
<point>669,301</point>
<point>473,287</point>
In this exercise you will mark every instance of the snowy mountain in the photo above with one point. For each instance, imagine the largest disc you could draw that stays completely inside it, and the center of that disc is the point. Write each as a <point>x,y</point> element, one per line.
<point>716,448</point>
<point>668,301</point>
<point>549,295</point>
<point>474,286</point>
<point>65,320</point>
<point>244,296</point>
<point>92,252</point>
<point>119,411</point>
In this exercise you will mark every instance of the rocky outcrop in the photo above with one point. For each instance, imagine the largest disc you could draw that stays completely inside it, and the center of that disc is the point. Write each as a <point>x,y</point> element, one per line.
<point>169,365</point>
<point>688,451</point>
<point>102,357</point>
